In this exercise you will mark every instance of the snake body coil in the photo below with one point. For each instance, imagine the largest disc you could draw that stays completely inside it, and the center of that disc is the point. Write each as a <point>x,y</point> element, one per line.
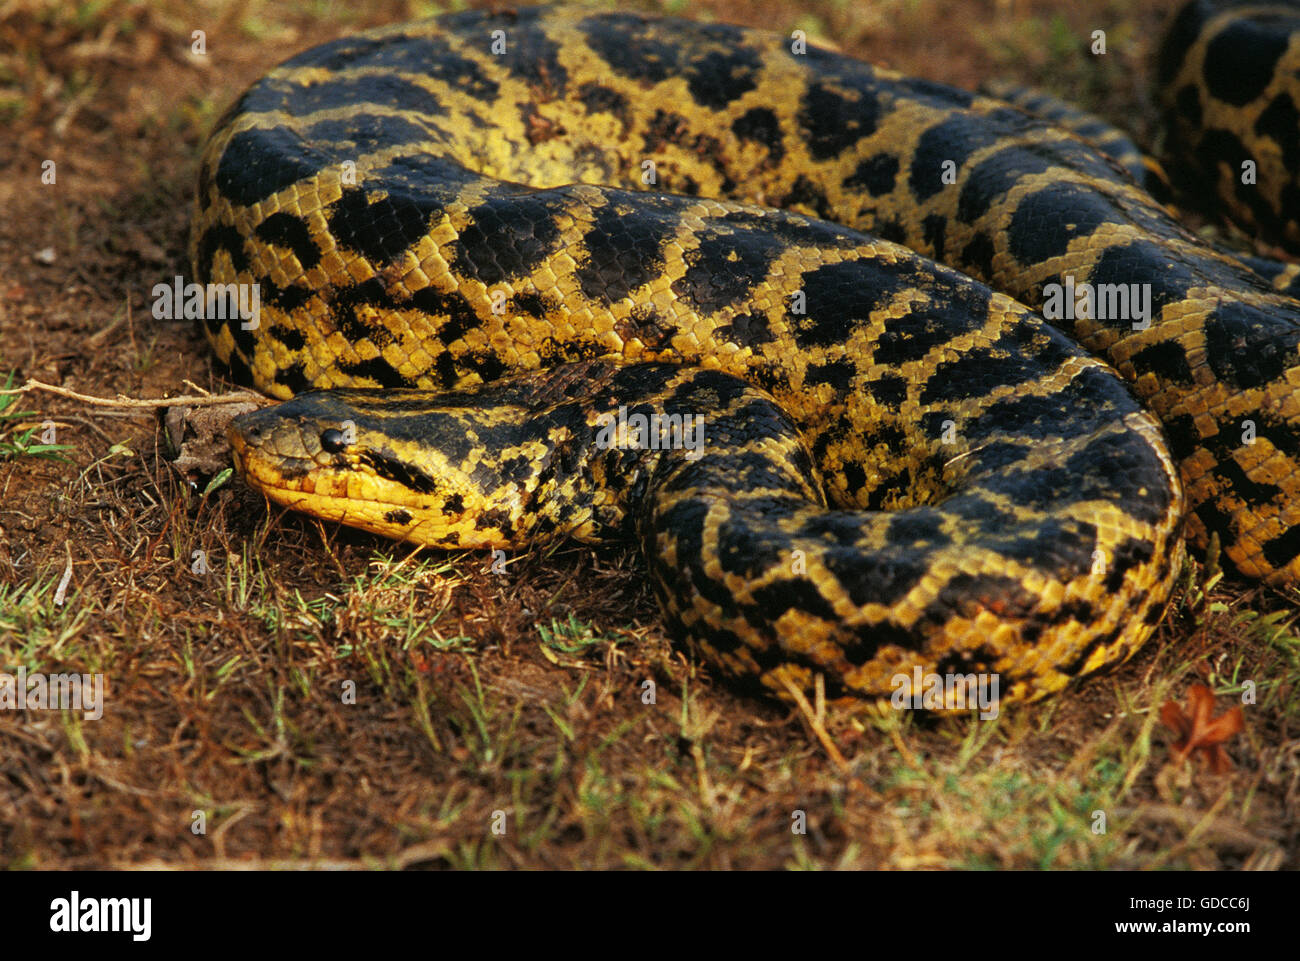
<point>901,466</point>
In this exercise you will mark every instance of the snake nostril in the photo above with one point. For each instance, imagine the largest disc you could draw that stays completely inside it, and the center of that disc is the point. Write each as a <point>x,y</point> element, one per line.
<point>333,441</point>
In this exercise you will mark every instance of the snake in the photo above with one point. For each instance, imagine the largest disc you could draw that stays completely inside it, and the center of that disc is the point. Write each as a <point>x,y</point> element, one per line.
<point>881,375</point>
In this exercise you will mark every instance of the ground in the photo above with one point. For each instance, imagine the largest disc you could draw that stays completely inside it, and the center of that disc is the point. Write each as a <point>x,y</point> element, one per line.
<point>495,721</point>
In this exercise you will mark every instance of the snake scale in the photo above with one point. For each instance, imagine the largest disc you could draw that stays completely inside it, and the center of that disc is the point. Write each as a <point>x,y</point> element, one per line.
<point>495,234</point>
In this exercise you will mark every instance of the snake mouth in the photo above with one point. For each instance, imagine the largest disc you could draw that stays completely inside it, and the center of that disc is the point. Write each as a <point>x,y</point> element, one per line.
<point>325,494</point>
<point>355,494</point>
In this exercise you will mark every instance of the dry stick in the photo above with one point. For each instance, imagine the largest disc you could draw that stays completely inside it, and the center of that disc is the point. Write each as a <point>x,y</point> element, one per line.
<point>815,722</point>
<point>184,400</point>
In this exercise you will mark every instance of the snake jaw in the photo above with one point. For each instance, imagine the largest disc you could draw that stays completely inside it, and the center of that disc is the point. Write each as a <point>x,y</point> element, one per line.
<point>364,481</point>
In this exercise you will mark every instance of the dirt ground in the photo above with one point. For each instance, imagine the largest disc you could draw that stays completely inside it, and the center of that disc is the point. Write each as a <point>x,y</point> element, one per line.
<point>313,697</point>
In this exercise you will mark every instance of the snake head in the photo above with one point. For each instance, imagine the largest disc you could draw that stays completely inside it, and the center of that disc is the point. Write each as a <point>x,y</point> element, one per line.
<point>404,464</point>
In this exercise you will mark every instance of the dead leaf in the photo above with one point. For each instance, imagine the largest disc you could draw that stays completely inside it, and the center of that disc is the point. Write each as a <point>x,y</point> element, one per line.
<point>1198,730</point>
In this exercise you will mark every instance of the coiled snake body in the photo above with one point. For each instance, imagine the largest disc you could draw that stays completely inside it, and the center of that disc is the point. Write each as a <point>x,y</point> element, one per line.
<point>900,466</point>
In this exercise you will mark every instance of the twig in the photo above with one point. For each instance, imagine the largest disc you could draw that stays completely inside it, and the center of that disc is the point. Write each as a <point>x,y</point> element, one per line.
<point>814,720</point>
<point>184,400</point>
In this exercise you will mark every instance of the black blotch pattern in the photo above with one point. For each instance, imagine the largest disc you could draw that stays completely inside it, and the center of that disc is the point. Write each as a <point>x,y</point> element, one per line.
<point>487,365</point>
<point>446,369</point>
<point>980,511</point>
<point>632,47</point>
<point>875,174</point>
<point>834,120</point>
<point>341,53</point>
<point>760,125</point>
<point>534,58</point>
<point>1168,359</point>
<point>1047,220</point>
<point>889,391</point>
<point>1187,104</point>
<point>980,660</point>
<point>343,311</point>
<point>883,579</point>
<point>1253,491</point>
<point>746,330</point>
<point>919,526</point>
<point>773,600</point>
<point>516,470</point>
<point>977,255</point>
<point>1090,400</point>
<point>748,550</point>
<point>259,163</point>
<point>1240,60</point>
<point>1132,552</point>
<point>685,521</point>
<point>597,98</point>
<point>402,52</point>
<point>1062,548</point>
<point>720,77</point>
<point>992,177</point>
<point>363,133</point>
<point>300,100</point>
<point>725,267</point>
<point>976,371</point>
<point>854,477</point>
<point>291,337</point>
<point>1280,122</point>
<point>804,192</point>
<point>293,376</point>
<point>377,369</point>
<point>509,237</point>
<point>935,94</point>
<point>870,638</point>
<point>993,456</point>
<point>1114,468</point>
<point>533,304</point>
<point>1247,348</point>
<point>838,373</point>
<point>645,324</point>
<point>1170,277</point>
<point>1283,549</point>
<point>796,228</point>
<point>933,227</point>
<point>953,139</point>
<point>426,176</point>
<point>219,237</point>
<point>380,231</point>
<point>841,296</point>
<point>393,468</point>
<point>1072,667</point>
<point>1180,36</point>
<point>1022,352</point>
<point>285,230</point>
<point>451,305</point>
<point>625,248</point>
<point>965,595</point>
<point>891,230</point>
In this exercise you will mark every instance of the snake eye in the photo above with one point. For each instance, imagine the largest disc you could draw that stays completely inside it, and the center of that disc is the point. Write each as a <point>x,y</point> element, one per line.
<point>333,441</point>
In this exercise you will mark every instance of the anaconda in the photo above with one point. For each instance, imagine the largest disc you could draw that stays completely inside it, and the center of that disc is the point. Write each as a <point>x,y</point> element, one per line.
<point>903,464</point>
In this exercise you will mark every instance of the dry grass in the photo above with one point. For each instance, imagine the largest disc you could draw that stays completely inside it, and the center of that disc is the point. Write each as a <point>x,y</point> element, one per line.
<point>322,698</point>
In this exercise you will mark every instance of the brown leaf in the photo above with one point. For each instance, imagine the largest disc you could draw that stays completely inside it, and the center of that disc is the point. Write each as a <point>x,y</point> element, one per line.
<point>1198,730</point>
